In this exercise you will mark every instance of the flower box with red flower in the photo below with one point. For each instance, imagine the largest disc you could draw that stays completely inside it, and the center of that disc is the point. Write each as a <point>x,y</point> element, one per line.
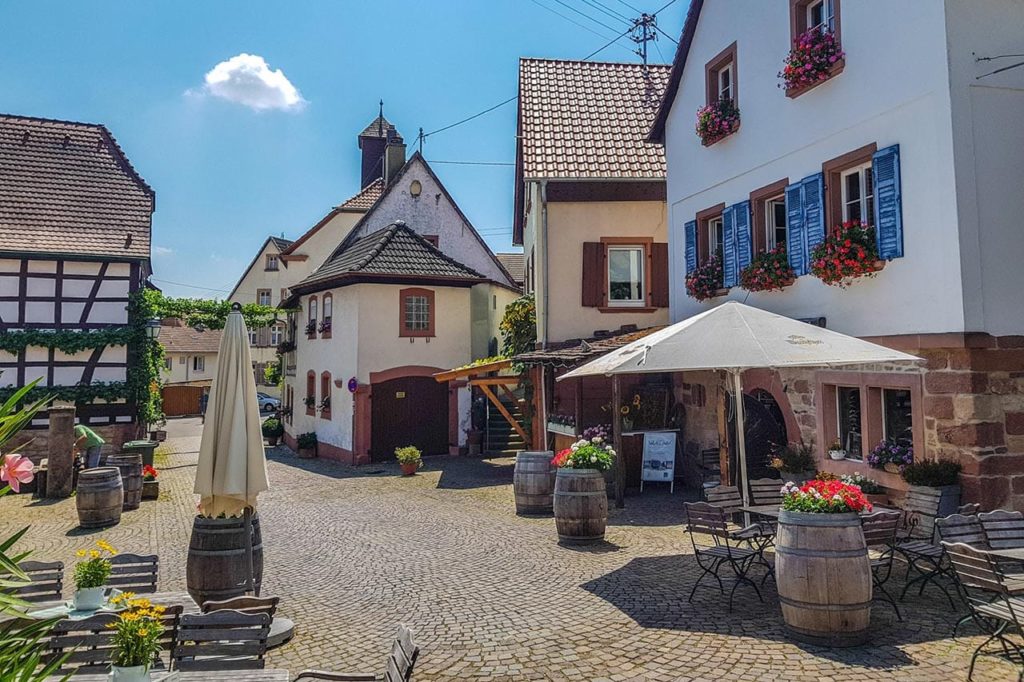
<point>705,282</point>
<point>768,271</point>
<point>847,253</point>
<point>816,57</point>
<point>717,120</point>
<point>150,484</point>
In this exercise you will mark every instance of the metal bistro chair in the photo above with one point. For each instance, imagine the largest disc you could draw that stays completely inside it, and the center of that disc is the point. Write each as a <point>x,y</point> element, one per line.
<point>134,572</point>
<point>880,537</point>
<point>267,605</point>
<point>1003,529</point>
<point>221,640</point>
<point>397,668</point>
<point>979,578</point>
<point>759,535</point>
<point>47,581</point>
<point>919,547</point>
<point>710,466</point>
<point>705,519</point>
<point>966,529</point>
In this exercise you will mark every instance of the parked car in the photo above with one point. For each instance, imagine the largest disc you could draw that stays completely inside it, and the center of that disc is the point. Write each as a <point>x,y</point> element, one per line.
<point>268,403</point>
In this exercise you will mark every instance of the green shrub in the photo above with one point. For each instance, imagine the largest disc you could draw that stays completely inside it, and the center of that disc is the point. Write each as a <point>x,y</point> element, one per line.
<point>273,428</point>
<point>932,474</point>
<point>410,454</point>
<point>306,440</point>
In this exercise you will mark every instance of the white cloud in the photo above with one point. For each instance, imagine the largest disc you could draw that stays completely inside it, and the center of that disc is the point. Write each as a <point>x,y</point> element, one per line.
<point>247,79</point>
<point>162,250</point>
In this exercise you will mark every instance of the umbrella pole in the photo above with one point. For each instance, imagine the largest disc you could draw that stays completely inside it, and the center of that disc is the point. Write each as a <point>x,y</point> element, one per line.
<point>741,445</point>
<point>249,583</point>
<point>620,462</point>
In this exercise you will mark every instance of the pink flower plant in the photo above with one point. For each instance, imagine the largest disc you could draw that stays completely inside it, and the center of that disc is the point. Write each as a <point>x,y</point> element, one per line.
<point>16,470</point>
<point>810,61</point>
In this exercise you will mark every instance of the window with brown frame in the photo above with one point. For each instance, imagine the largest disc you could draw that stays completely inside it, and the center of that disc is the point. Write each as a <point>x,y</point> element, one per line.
<point>849,193</point>
<point>416,313</point>
<point>710,233</point>
<point>720,76</point>
<point>310,392</point>
<point>325,395</point>
<point>272,262</point>
<point>325,324</point>
<point>821,14</point>
<point>768,207</point>
<point>625,274</point>
<point>311,317</point>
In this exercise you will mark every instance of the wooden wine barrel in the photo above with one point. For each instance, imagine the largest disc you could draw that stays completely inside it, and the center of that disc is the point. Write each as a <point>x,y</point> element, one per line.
<point>580,505</point>
<point>533,482</point>
<point>824,578</point>
<point>216,565</point>
<point>130,466</point>
<point>99,498</point>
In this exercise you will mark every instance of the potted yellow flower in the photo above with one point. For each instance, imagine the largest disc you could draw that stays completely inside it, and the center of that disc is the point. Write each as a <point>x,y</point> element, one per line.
<point>409,458</point>
<point>91,576</point>
<point>136,638</point>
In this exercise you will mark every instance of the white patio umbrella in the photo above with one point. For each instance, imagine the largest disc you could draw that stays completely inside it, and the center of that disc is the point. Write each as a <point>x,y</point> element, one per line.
<point>232,469</point>
<point>735,337</point>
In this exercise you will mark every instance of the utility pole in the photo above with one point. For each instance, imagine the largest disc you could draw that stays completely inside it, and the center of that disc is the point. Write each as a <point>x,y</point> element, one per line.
<point>644,30</point>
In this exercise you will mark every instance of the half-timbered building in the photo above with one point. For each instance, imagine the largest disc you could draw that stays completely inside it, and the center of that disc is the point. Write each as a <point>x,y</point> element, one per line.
<point>75,225</point>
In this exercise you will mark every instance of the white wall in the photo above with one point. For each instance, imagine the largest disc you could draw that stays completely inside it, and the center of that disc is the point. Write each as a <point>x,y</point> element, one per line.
<point>182,372</point>
<point>894,90</point>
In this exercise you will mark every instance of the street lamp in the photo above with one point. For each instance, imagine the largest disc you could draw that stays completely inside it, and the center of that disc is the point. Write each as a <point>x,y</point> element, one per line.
<point>153,329</point>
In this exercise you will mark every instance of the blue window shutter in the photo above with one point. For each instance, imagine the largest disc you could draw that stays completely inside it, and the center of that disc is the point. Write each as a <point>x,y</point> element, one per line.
<point>814,214</point>
<point>888,202</point>
<point>795,245</point>
<point>729,273</point>
<point>744,247</point>
<point>690,237</point>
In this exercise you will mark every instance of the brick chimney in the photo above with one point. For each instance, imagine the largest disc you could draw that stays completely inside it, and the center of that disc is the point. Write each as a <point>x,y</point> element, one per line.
<point>394,159</point>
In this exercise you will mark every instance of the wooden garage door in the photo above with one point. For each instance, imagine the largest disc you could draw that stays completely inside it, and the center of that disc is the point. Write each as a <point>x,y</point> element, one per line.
<point>181,400</point>
<point>409,411</point>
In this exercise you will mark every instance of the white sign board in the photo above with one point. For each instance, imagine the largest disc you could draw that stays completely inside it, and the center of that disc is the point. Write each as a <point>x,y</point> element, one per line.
<point>659,458</point>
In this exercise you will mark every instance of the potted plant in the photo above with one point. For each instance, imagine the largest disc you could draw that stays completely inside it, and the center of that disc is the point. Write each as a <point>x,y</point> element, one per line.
<point>581,498</point>
<point>91,576</point>
<point>310,401</point>
<point>847,253</point>
<point>159,434</point>
<point>768,271</point>
<point>311,329</point>
<point>705,282</point>
<point>137,633</point>
<point>717,120</point>
<point>150,484</point>
<point>871,488</point>
<point>942,476</point>
<point>892,456</point>
<point>836,450</point>
<point>794,461</point>
<point>307,445</point>
<point>409,458</point>
<point>820,537</point>
<point>272,429</point>
<point>815,56</point>
<point>564,424</point>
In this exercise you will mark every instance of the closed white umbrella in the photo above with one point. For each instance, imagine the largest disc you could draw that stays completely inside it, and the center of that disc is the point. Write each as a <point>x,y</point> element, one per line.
<point>735,337</point>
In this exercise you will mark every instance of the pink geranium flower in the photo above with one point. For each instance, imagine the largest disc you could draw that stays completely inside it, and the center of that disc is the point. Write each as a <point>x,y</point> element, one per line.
<point>16,470</point>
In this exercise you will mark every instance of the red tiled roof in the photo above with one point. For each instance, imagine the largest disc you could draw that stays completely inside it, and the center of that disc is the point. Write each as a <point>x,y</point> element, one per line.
<point>589,119</point>
<point>575,351</point>
<point>67,187</point>
<point>365,198</point>
<point>515,264</point>
<point>185,339</point>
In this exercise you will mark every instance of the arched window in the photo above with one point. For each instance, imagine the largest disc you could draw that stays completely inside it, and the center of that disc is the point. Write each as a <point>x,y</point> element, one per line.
<point>310,392</point>
<point>325,326</point>
<point>325,395</point>
<point>311,318</point>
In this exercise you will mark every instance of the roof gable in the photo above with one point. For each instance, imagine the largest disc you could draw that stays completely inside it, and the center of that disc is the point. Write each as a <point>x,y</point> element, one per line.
<point>657,132</point>
<point>271,245</point>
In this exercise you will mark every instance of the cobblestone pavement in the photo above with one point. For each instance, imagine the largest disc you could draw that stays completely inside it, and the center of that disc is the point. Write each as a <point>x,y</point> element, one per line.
<point>491,596</point>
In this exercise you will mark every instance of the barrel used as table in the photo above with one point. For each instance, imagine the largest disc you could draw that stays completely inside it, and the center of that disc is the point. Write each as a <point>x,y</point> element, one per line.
<point>533,482</point>
<point>580,505</point>
<point>130,466</point>
<point>217,564</point>
<point>99,497</point>
<point>824,578</point>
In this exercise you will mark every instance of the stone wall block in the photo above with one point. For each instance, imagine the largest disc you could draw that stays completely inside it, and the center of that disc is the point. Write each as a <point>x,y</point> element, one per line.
<point>955,382</point>
<point>986,407</point>
<point>982,434</point>
<point>1015,423</point>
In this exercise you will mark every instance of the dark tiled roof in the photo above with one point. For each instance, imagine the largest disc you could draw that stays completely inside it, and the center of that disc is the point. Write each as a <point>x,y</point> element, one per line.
<point>188,340</point>
<point>380,127</point>
<point>394,251</point>
<point>365,198</point>
<point>589,119</point>
<point>515,264</point>
<point>67,187</point>
<point>576,351</point>
<point>281,243</point>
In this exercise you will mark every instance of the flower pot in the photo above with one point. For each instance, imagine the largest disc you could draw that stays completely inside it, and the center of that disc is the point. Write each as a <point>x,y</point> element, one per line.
<point>580,506</point>
<point>150,490</point>
<point>306,453</point>
<point>837,454</point>
<point>891,468</point>
<point>89,598</point>
<point>824,578</point>
<point>272,441</point>
<point>409,469</point>
<point>134,673</point>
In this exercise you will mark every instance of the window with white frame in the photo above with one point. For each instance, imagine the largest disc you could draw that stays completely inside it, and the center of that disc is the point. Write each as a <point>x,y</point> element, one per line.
<point>725,82</point>
<point>199,363</point>
<point>328,307</point>
<point>716,237</point>
<point>252,337</point>
<point>182,359</point>
<point>775,221</point>
<point>626,276</point>
<point>821,15</point>
<point>312,309</point>
<point>276,334</point>
<point>272,261</point>
<point>858,194</point>
<point>263,296</point>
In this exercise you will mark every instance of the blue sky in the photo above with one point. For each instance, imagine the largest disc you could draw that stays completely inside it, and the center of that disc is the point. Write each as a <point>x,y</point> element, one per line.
<point>228,173</point>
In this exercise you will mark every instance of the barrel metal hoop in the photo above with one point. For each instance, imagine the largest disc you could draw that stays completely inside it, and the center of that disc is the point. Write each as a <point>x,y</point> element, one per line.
<point>823,607</point>
<point>822,554</point>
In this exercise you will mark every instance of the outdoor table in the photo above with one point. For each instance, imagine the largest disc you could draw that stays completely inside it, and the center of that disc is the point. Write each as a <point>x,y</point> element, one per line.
<point>162,598</point>
<point>1012,553</point>
<point>266,675</point>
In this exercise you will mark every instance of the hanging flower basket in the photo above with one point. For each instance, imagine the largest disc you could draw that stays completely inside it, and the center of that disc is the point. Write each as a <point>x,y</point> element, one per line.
<point>705,281</point>
<point>847,253</point>
<point>768,271</point>
<point>816,56</point>
<point>719,119</point>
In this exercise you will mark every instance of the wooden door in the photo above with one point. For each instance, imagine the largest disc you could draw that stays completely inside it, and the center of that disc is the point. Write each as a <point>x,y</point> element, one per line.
<point>408,411</point>
<point>181,400</point>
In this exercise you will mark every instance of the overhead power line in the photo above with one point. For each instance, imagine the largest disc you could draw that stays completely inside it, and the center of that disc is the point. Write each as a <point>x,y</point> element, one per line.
<point>476,163</point>
<point>607,11</point>
<point>191,286</point>
<point>569,19</point>
<point>585,15</point>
